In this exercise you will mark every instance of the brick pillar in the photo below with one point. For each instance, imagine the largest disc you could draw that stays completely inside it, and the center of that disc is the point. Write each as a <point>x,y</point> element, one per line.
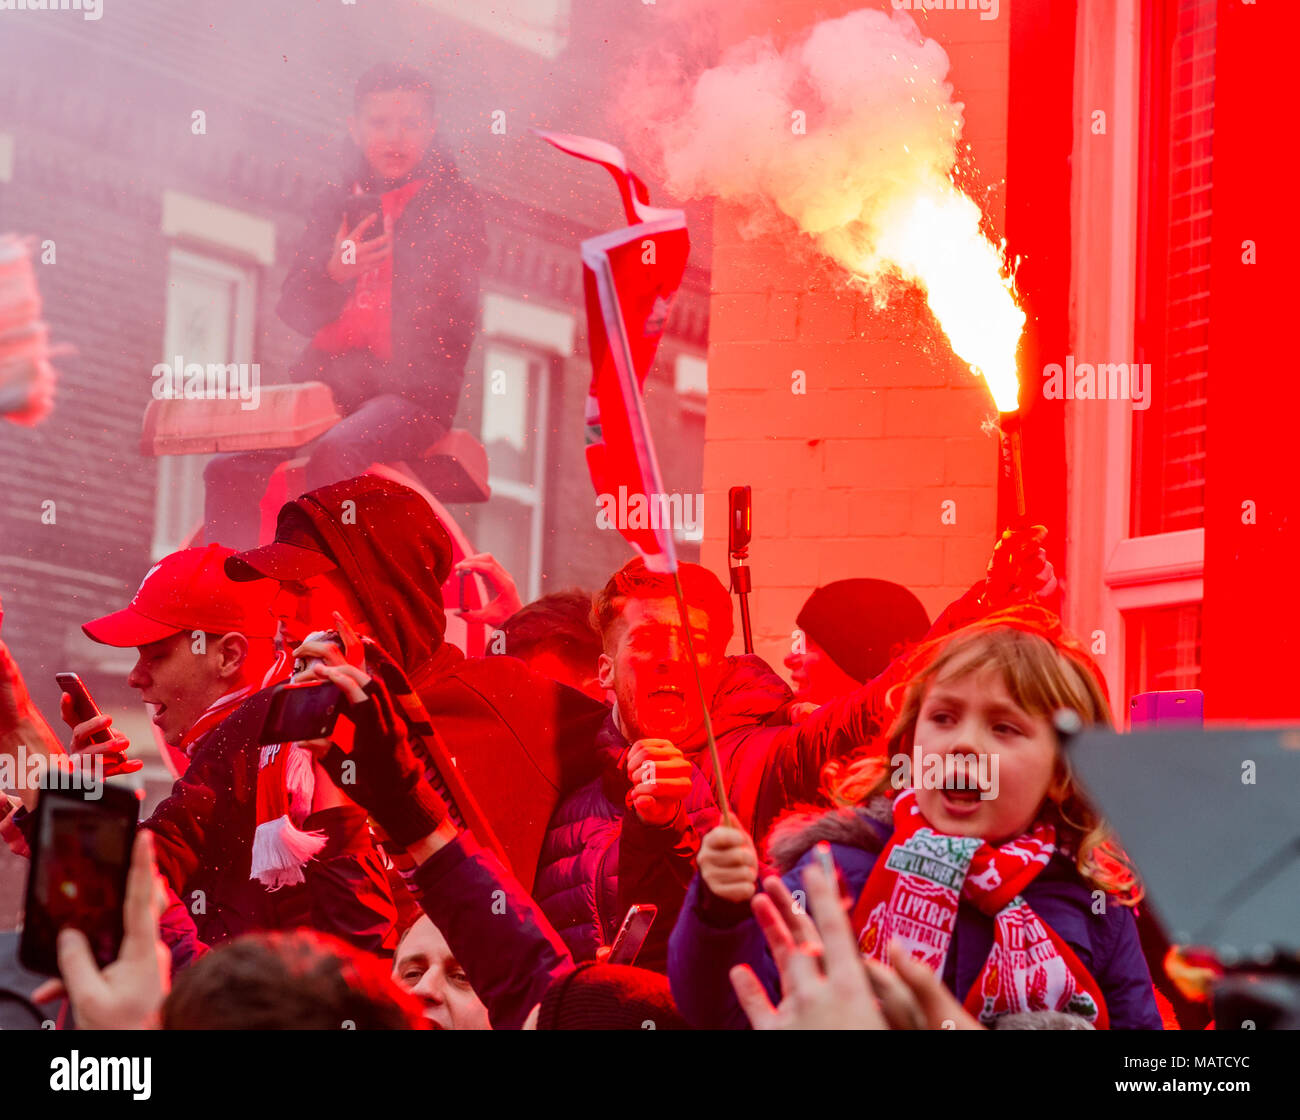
<point>850,477</point>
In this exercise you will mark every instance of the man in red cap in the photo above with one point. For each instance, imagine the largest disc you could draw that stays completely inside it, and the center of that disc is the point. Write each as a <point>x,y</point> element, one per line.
<point>205,642</point>
<point>206,651</point>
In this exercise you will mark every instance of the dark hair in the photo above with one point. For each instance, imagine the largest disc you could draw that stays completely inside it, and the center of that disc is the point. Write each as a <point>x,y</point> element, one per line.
<point>700,588</point>
<point>392,76</point>
<point>558,623</point>
<point>609,997</point>
<point>298,980</point>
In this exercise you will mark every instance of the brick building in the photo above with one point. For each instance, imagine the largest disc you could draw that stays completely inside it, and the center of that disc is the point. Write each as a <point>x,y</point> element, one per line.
<point>1127,152</point>
<point>850,476</point>
<point>170,242</point>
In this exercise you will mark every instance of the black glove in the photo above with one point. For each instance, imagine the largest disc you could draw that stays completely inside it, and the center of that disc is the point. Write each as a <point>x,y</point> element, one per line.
<point>382,775</point>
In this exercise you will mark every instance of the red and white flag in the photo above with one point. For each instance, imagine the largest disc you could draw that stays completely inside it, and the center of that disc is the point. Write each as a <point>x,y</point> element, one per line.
<point>630,277</point>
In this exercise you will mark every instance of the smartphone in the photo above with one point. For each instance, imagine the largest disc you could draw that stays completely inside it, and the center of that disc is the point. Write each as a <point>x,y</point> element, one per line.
<point>1161,709</point>
<point>462,573</point>
<point>360,206</point>
<point>81,852</point>
<point>306,710</point>
<point>632,934</point>
<point>83,704</point>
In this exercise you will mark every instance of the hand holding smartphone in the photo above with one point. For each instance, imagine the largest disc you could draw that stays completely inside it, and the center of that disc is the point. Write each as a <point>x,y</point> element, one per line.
<point>83,705</point>
<point>81,852</point>
<point>632,934</point>
<point>301,711</point>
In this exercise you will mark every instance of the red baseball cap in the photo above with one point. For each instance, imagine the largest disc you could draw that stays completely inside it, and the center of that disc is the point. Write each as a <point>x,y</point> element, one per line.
<point>189,590</point>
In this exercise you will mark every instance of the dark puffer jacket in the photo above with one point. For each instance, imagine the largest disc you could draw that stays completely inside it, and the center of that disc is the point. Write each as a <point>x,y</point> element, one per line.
<point>598,858</point>
<point>770,764</point>
<point>713,935</point>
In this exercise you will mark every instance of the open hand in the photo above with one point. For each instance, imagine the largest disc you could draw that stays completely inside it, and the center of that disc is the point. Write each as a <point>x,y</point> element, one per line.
<point>505,594</point>
<point>823,982</point>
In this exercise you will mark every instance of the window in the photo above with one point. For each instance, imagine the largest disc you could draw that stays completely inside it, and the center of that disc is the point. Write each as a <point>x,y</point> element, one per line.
<point>1164,649</point>
<point>1173,288</point>
<point>210,307</point>
<point>1140,253</point>
<point>515,415</point>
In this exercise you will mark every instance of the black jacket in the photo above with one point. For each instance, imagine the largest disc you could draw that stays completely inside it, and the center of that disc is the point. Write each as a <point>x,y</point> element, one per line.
<point>439,247</point>
<point>513,740</point>
<point>204,845</point>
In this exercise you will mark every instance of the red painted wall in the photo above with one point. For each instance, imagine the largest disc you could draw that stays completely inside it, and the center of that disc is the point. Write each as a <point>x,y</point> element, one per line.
<point>1252,570</point>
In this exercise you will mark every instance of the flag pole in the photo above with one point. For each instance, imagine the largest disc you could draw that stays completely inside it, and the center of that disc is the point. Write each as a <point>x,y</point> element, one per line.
<point>719,782</point>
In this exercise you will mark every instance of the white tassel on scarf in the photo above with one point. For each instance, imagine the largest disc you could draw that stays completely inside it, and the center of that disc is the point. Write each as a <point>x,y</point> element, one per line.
<point>285,786</point>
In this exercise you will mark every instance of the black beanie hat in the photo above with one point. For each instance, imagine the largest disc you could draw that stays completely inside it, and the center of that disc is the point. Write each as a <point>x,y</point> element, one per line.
<point>609,997</point>
<point>863,623</point>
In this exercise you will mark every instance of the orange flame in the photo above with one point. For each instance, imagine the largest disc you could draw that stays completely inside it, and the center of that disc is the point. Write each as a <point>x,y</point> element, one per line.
<point>933,239</point>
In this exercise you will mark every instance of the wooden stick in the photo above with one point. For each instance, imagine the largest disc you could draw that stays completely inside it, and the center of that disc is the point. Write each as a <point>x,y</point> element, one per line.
<point>719,782</point>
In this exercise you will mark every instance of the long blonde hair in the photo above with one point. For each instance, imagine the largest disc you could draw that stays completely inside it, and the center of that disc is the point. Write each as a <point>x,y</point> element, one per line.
<point>1044,669</point>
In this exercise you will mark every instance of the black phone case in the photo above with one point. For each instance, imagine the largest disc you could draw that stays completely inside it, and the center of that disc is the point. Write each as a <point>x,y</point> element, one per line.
<point>285,725</point>
<point>37,950</point>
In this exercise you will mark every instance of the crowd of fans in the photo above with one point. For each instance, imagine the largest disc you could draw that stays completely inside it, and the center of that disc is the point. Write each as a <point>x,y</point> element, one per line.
<point>461,851</point>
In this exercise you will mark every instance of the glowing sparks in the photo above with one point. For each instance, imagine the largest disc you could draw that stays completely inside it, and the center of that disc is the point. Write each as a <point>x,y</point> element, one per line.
<point>936,242</point>
<point>933,240</point>
<point>868,178</point>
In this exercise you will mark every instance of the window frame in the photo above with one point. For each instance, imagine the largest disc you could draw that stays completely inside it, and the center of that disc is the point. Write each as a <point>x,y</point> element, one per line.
<point>180,477</point>
<point>1136,572</point>
<point>533,496</point>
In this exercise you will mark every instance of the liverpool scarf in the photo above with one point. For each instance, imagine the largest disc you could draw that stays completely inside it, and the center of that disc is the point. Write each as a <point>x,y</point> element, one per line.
<point>912,896</point>
<point>285,785</point>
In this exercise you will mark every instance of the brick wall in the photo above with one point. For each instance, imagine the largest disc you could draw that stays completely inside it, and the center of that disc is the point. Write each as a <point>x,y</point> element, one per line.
<point>849,478</point>
<point>100,117</point>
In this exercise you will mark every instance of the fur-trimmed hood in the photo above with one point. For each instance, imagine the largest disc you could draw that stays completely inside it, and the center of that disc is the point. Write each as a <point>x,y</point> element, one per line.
<point>862,826</point>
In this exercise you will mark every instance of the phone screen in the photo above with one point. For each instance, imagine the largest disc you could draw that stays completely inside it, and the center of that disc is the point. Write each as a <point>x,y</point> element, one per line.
<point>78,874</point>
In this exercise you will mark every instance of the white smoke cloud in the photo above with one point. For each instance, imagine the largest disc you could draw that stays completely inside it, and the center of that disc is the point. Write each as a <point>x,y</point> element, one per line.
<point>850,132</point>
<point>878,118</point>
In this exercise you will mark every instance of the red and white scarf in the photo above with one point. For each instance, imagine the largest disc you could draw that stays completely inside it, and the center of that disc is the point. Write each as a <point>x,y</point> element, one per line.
<point>286,785</point>
<point>912,896</point>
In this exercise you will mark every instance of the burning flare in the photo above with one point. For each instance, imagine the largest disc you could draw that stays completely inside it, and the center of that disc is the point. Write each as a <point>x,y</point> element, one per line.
<point>934,241</point>
<point>851,132</point>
